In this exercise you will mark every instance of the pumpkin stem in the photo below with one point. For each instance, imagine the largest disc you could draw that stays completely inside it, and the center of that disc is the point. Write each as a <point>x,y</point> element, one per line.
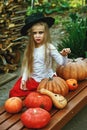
<point>73,59</point>
<point>50,78</point>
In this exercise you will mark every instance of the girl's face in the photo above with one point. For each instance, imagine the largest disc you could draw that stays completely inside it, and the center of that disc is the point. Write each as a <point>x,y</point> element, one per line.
<point>38,34</point>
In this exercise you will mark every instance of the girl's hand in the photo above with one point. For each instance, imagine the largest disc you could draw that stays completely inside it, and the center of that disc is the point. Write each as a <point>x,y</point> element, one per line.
<point>65,51</point>
<point>23,85</point>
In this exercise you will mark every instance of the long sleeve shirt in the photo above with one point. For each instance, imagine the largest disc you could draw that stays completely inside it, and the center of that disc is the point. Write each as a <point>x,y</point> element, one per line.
<point>40,69</point>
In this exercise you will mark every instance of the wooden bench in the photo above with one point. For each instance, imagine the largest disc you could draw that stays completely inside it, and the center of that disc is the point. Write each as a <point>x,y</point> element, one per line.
<point>76,101</point>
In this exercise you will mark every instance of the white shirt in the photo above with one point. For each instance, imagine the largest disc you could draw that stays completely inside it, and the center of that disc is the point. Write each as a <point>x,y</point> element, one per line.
<point>42,71</point>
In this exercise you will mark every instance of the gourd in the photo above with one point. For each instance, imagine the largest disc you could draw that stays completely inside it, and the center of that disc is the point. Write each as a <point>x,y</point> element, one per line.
<point>35,99</point>
<point>76,69</point>
<point>55,84</point>
<point>59,101</point>
<point>13,105</point>
<point>35,118</point>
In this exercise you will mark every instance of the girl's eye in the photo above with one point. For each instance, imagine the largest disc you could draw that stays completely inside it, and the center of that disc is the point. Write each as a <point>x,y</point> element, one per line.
<point>34,33</point>
<point>41,32</point>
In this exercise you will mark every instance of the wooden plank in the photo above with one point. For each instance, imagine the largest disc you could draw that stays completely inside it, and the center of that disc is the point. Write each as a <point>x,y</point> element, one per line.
<point>63,116</point>
<point>4,117</point>
<point>11,121</point>
<point>76,100</point>
<point>17,126</point>
<point>6,78</point>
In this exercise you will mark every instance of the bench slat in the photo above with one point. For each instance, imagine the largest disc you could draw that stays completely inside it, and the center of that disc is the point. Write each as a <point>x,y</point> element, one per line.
<point>76,99</point>
<point>11,121</point>
<point>17,126</point>
<point>4,117</point>
<point>63,116</point>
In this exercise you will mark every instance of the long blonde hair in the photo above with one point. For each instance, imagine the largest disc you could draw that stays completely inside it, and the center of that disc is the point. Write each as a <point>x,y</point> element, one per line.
<point>28,54</point>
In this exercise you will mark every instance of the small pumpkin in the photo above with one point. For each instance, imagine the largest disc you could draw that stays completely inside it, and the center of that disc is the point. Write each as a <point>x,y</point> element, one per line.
<point>72,84</point>
<point>13,105</point>
<point>35,118</point>
<point>75,69</point>
<point>55,84</point>
<point>35,99</point>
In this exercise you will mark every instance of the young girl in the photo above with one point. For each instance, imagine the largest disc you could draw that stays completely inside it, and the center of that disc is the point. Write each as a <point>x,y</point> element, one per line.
<point>38,55</point>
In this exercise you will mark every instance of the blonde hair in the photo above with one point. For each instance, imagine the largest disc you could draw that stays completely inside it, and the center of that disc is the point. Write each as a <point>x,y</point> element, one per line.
<point>28,54</point>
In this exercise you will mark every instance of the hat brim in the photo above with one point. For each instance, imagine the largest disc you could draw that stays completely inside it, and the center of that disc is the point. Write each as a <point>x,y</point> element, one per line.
<point>48,20</point>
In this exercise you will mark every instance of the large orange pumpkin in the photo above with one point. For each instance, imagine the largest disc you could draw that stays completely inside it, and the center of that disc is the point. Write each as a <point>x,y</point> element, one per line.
<point>55,84</point>
<point>74,69</point>
<point>13,105</point>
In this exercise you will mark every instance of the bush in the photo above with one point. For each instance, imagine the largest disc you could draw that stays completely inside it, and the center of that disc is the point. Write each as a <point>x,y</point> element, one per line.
<point>75,37</point>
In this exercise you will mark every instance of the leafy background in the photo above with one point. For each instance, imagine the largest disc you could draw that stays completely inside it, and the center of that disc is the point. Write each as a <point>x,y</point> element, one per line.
<point>71,15</point>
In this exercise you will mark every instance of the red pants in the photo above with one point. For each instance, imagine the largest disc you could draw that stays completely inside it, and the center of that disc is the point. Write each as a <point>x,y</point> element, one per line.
<point>16,91</point>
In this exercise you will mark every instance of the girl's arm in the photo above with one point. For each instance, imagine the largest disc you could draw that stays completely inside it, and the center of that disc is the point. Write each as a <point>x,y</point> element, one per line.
<point>23,85</point>
<point>60,58</point>
<point>65,51</point>
<point>24,79</point>
<point>25,74</point>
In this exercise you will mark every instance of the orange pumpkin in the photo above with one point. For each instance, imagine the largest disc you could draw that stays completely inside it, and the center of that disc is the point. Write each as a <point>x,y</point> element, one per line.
<point>35,118</point>
<point>55,84</point>
<point>72,83</point>
<point>13,105</point>
<point>35,99</point>
<point>74,69</point>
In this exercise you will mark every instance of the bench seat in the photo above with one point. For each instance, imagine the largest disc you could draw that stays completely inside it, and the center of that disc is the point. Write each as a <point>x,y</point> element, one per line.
<point>76,101</point>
